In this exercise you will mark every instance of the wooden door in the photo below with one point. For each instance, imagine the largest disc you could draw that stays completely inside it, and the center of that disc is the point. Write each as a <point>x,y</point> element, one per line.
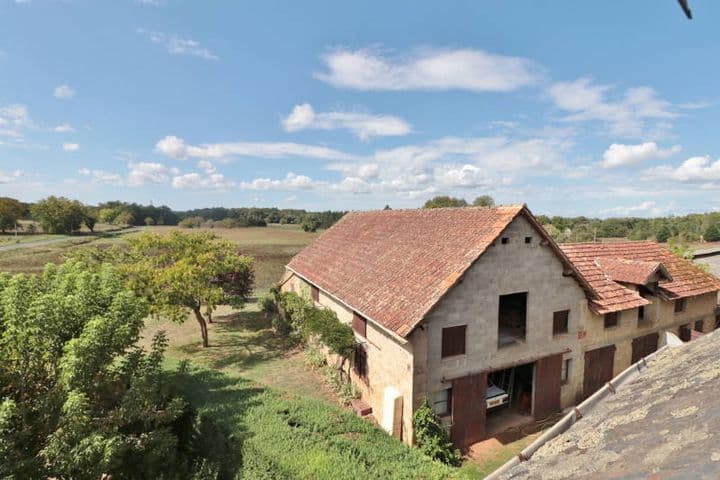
<point>547,384</point>
<point>644,346</point>
<point>599,365</point>
<point>468,409</point>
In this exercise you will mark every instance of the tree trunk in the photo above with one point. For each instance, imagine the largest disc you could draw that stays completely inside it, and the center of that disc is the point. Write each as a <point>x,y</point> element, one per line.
<point>203,326</point>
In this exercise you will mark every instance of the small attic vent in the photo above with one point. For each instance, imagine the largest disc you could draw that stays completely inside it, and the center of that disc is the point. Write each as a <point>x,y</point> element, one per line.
<point>504,240</point>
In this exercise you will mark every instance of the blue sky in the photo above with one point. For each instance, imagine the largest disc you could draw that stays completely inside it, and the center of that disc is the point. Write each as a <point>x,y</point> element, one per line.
<point>575,108</point>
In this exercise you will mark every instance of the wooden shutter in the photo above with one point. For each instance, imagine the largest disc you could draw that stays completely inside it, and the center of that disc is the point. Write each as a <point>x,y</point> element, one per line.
<point>468,409</point>
<point>359,325</point>
<point>644,346</point>
<point>548,382</point>
<point>453,341</point>
<point>599,364</point>
<point>315,293</point>
<point>560,322</point>
<point>360,363</point>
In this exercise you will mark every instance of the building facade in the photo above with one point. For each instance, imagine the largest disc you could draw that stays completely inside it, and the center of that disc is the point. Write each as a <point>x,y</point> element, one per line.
<point>480,313</point>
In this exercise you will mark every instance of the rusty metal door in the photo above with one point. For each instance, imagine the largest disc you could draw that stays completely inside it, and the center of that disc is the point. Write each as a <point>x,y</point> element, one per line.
<point>599,364</point>
<point>547,386</point>
<point>468,409</point>
<point>644,346</point>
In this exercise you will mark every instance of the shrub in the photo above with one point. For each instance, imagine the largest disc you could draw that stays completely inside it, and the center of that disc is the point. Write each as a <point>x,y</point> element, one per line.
<point>314,357</point>
<point>432,439</point>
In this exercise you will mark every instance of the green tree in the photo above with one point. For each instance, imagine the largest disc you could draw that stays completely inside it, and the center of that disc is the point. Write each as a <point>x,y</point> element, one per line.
<point>58,214</point>
<point>484,201</point>
<point>89,219</point>
<point>124,218</point>
<point>310,223</point>
<point>712,232</point>
<point>193,272</point>
<point>78,399</point>
<point>11,211</point>
<point>663,234</point>
<point>445,201</point>
<point>432,438</point>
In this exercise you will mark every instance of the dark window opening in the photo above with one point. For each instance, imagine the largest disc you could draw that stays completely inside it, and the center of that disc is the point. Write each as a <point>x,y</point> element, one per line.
<point>359,325</point>
<point>360,363</point>
<point>453,341</point>
<point>315,293</point>
<point>717,321</point>
<point>560,322</point>
<point>512,319</point>
<point>442,402</point>
<point>685,333</point>
<point>504,240</point>
<point>679,305</point>
<point>611,319</point>
<point>528,239</point>
<point>641,313</point>
<point>699,326</point>
<point>565,371</point>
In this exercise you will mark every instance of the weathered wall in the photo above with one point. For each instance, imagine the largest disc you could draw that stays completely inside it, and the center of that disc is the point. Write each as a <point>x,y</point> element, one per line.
<point>389,362</point>
<point>504,269</point>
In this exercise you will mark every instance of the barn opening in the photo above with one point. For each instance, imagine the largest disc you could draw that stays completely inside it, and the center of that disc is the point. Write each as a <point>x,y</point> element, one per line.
<point>509,398</point>
<point>512,319</point>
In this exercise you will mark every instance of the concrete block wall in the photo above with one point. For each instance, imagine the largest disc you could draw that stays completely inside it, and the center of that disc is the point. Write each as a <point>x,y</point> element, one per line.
<point>504,269</point>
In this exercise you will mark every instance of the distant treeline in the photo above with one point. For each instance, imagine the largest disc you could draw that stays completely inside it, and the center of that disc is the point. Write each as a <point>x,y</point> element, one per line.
<point>257,217</point>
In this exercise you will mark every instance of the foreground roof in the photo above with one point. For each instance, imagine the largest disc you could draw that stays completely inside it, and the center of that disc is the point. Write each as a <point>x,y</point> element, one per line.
<point>393,266</point>
<point>664,424</point>
<point>606,266</point>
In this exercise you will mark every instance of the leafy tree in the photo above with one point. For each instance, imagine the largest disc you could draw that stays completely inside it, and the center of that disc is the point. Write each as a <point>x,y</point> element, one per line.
<point>193,272</point>
<point>191,222</point>
<point>712,232</point>
<point>149,221</point>
<point>484,201</point>
<point>432,439</point>
<point>311,223</point>
<point>11,211</point>
<point>445,201</point>
<point>663,234</point>
<point>58,214</point>
<point>78,399</point>
<point>89,219</point>
<point>124,218</point>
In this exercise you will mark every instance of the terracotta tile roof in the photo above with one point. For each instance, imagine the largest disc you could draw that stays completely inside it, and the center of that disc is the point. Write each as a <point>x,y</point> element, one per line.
<point>636,272</point>
<point>393,266</point>
<point>686,279</point>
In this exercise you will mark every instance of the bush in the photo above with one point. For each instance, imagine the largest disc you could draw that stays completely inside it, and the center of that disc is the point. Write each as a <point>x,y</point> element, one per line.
<point>314,357</point>
<point>432,439</point>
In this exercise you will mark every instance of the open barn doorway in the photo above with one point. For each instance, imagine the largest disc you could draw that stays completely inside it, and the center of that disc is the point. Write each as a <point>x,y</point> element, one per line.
<point>509,398</point>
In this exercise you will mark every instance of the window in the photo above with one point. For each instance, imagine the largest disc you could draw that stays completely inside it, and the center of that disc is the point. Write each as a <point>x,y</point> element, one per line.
<point>611,319</point>
<point>685,333</point>
<point>699,326</point>
<point>359,325</point>
<point>528,240</point>
<point>717,321</point>
<point>560,322</point>
<point>442,402</point>
<point>453,341</point>
<point>360,363</point>
<point>504,240</point>
<point>565,371</point>
<point>679,305</point>
<point>641,313</point>
<point>315,293</point>
<point>512,319</point>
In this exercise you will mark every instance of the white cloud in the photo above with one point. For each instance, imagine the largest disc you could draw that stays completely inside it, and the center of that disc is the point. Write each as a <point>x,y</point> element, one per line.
<point>13,120</point>
<point>64,92</point>
<point>626,116</point>
<point>195,181</point>
<point>699,170</point>
<point>152,3</point>
<point>208,167</point>
<point>461,176</point>
<point>175,147</point>
<point>101,177</point>
<point>71,147</point>
<point>64,128</point>
<point>620,155</point>
<point>362,125</point>
<point>643,208</point>
<point>291,181</point>
<point>7,178</point>
<point>142,173</point>
<point>176,45</point>
<point>427,69</point>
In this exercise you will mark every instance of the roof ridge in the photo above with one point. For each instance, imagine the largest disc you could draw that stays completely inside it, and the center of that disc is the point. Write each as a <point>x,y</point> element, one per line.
<point>513,206</point>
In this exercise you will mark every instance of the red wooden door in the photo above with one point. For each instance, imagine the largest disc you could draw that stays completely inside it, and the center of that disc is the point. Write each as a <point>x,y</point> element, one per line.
<point>468,409</point>
<point>547,386</point>
<point>644,346</point>
<point>599,365</point>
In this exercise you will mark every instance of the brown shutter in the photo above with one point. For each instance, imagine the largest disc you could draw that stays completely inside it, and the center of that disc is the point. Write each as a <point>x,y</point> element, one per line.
<point>599,364</point>
<point>644,346</point>
<point>468,409</point>
<point>547,386</point>
<point>453,341</point>
<point>315,293</point>
<point>359,325</point>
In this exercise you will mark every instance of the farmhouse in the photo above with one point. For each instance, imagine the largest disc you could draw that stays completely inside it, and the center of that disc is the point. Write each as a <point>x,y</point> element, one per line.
<point>482,313</point>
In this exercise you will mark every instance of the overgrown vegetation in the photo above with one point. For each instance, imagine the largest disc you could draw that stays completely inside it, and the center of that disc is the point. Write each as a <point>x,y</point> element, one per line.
<point>78,399</point>
<point>432,439</point>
